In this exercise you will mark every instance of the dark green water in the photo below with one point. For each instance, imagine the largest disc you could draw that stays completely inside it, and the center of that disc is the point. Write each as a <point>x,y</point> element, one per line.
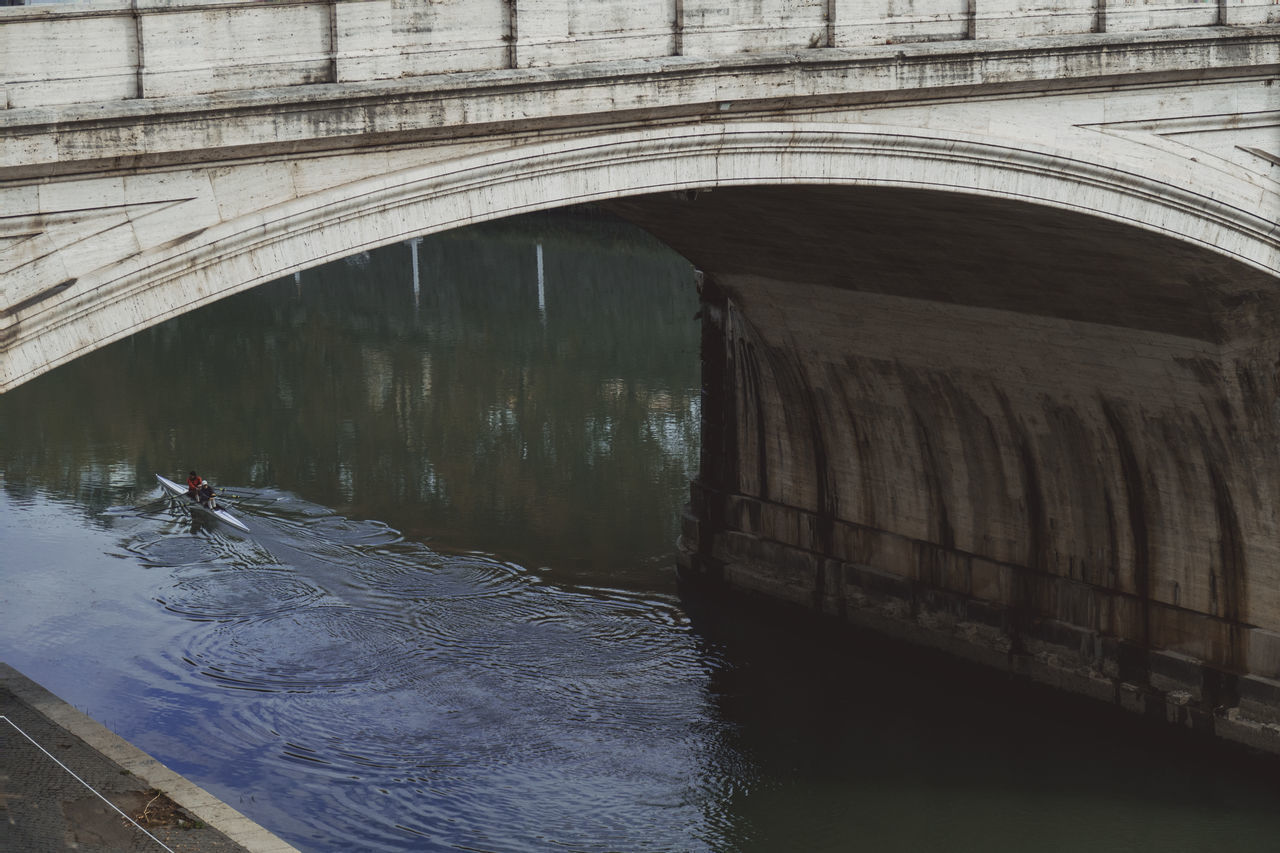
<point>455,625</point>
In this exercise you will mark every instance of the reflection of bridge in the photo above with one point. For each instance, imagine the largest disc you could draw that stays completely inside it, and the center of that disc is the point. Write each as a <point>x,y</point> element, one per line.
<point>991,287</point>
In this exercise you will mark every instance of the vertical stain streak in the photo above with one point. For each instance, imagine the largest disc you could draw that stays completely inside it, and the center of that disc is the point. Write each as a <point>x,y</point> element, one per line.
<point>943,533</point>
<point>1023,610</point>
<point>753,403</point>
<point>1038,539</point>
<point>718,461</point>
<point>1112,575</point>
<point>825,498</point>
<point>863,485</point>
<point>1229,595</point>
<point>1131,472</point>
<point>1037,534</point>
<point>801,415</point>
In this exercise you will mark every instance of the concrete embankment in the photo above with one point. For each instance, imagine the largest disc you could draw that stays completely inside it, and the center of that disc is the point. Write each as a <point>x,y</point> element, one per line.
<point>66,782</point>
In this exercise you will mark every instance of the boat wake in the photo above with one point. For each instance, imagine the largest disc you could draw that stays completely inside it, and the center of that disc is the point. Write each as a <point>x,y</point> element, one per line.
<point>416,692</point>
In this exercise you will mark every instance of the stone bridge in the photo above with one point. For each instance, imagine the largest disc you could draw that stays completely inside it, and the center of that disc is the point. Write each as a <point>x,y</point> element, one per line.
<point>991,287</point>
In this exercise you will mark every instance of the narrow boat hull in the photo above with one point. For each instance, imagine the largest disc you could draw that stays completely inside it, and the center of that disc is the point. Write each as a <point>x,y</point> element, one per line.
<point>179,492</point>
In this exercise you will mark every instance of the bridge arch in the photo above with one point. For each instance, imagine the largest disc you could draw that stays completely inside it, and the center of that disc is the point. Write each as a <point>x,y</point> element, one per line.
<point>1159,193</point>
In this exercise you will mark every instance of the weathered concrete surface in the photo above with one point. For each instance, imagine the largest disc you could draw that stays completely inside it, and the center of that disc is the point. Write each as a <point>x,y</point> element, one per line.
<point>161,154</point>
<point>1034,438</point>
<point>119,798</point>
<point>111,50</point>
<point>120,215</point>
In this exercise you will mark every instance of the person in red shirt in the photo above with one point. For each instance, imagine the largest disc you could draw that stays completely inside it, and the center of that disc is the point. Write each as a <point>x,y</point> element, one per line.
<point>193,485</point>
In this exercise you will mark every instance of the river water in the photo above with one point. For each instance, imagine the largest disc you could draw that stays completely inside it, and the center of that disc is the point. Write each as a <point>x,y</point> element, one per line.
<point>455,623</point>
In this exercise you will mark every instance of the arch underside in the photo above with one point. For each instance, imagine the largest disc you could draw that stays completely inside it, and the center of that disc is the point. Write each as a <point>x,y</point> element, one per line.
<point>956,180</point>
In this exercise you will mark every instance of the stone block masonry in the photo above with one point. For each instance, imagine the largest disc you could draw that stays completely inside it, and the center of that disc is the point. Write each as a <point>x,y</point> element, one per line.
<point>951,423</point>
<point>110,50</point>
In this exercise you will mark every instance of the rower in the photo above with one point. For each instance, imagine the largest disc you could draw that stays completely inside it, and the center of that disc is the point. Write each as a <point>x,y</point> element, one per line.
<point>193,485</point>
<point>206,495</point>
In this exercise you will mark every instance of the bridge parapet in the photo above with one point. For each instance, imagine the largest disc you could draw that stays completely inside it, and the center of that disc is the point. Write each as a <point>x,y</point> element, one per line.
<point>109,50</point>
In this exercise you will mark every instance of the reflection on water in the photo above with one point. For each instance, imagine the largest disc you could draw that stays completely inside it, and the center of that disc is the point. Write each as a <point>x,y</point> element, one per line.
<point>533,392</point>
<point>454,625</point>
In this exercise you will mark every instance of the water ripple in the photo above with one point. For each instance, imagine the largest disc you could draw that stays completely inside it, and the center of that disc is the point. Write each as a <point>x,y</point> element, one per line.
<point>461,694</point>
<point>237,594</point>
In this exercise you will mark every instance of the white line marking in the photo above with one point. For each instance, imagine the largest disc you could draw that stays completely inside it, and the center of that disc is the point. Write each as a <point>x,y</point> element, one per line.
<point>82,782</point>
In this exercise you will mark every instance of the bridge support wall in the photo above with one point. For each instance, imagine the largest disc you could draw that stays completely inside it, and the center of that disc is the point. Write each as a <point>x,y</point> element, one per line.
<point>1025,451</point>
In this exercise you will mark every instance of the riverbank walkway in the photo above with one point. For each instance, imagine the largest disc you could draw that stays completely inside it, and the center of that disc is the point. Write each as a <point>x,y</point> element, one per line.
<point>68,783</point>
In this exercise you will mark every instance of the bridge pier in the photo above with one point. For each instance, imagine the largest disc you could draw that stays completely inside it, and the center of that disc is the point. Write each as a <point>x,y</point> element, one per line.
<point>1034,441</point>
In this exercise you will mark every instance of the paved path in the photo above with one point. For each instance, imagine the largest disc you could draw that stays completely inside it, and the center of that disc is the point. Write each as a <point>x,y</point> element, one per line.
<point>67,783</point>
